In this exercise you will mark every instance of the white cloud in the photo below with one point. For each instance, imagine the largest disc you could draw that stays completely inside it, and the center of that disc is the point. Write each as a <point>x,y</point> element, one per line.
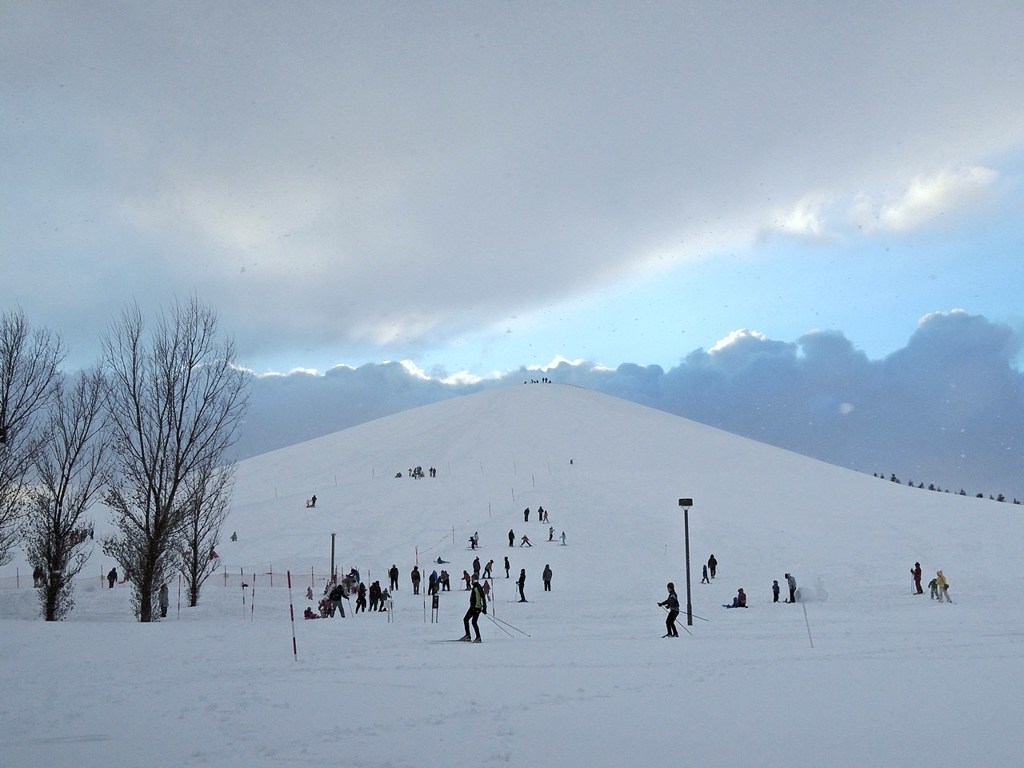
<point>941,195</point>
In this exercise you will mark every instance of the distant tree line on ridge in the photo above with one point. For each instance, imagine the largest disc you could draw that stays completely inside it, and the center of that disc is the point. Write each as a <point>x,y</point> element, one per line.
<point>933,487</point>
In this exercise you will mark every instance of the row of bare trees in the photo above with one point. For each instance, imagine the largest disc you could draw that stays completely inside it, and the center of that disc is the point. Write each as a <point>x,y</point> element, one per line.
<point>145,432</point>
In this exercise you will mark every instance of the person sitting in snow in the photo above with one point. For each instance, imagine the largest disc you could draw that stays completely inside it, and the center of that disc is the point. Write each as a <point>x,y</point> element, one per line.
<point>308,614</point>
<point>740,601</point>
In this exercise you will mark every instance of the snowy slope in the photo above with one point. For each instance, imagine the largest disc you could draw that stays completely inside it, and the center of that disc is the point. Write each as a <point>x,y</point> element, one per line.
<point>869,675</point>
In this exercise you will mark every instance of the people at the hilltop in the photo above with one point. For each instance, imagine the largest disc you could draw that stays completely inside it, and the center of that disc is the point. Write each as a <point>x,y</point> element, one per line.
<point>546,576</point>
<point>393,575</point>
<point>740,601</point>
<point>164,600</point>
<point>415,578</point>
<point>915,572</point>
<point>775,590</point>
<point>672,604</point>
<point>511,537</point>
<point>704,575</point>
<point>361,598</point>
<point>508,567</point>
<point>525,541</point>
<point>943,587</point>
<point>111,577</point>
<point>791,583</point>
<point>477,605</point>
<point>521,583</point>
<point>712,566</point>
<point>487,569</point>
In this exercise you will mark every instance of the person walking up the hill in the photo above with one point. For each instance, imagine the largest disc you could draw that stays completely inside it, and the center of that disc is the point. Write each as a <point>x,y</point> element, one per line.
<point>712,565</point>
<point>791,583</point>
<point>393,575</point>
<point>521,583</point>
<point>916,573</point>
<point>943,587</point>
<point>704,575</point>
<point>477,605</point>
<point>672,604</point>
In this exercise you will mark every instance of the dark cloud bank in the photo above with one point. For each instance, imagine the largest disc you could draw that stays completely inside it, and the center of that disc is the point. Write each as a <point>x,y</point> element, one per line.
<point>946,409</point>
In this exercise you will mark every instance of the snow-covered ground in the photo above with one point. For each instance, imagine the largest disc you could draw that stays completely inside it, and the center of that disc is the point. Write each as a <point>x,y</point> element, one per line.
<point>864,673</point>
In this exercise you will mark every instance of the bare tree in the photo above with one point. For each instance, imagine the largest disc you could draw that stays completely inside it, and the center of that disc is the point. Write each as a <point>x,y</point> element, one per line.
<point>29,370</point>
<point>176,401</point>
<point>70,467</point>
<point>206,507</point>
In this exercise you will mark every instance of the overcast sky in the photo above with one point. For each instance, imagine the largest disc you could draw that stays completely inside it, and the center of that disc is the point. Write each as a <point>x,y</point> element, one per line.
<point>475,187</point>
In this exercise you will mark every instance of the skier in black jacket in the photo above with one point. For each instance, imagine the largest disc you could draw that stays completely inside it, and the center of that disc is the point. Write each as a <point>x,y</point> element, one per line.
<point>477,605</point>
<point>672,603</point>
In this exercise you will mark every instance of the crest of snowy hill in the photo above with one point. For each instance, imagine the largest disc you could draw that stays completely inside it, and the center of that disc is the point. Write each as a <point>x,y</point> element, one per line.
<point>610,473</point>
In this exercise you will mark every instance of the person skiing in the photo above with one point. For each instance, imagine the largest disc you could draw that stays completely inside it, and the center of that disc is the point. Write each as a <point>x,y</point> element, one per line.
<point>672,603</point>
<point>712,566</point>
<point>775,590</point>
<point>704,575</point>
<point>477,605</point>
<point>943,587</point>
<point>551,533</point>
<point>335,596</point>
<point>487,569</point>
<point>164,601</point>
<point>546,576</point>
<point>933,586</point>
<point>521,583</point>
<point>525,542</point>
<point>916,573</point>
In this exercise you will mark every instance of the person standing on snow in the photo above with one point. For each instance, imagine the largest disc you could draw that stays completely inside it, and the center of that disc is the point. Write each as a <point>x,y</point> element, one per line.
<point>672,603</point>
<point>916,573</point>
<point>415,576</point>
<point>521,583</point>
<point>712,565</point>
<point>942,586</point>
<point>393,575</point>
<point>546,576</point>
<point>775,591</point>
<point>477,605</point>
<point>508,567</point>
<point>164,601</point>
<point>791,583</point>
<point>511,537</point>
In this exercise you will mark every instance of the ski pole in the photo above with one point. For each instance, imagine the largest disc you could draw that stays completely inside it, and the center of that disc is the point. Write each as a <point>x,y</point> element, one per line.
<point>498,625</point>
<point>517,629</point>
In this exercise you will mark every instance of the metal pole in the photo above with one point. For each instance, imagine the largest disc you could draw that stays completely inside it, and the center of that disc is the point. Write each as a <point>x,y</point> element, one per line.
<point>686,536</point>
<point>686,504</point>
<point>332,555</point>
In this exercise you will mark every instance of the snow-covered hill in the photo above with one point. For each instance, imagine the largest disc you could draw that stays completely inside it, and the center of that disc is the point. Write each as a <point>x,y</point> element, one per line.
<point>869,674</point>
